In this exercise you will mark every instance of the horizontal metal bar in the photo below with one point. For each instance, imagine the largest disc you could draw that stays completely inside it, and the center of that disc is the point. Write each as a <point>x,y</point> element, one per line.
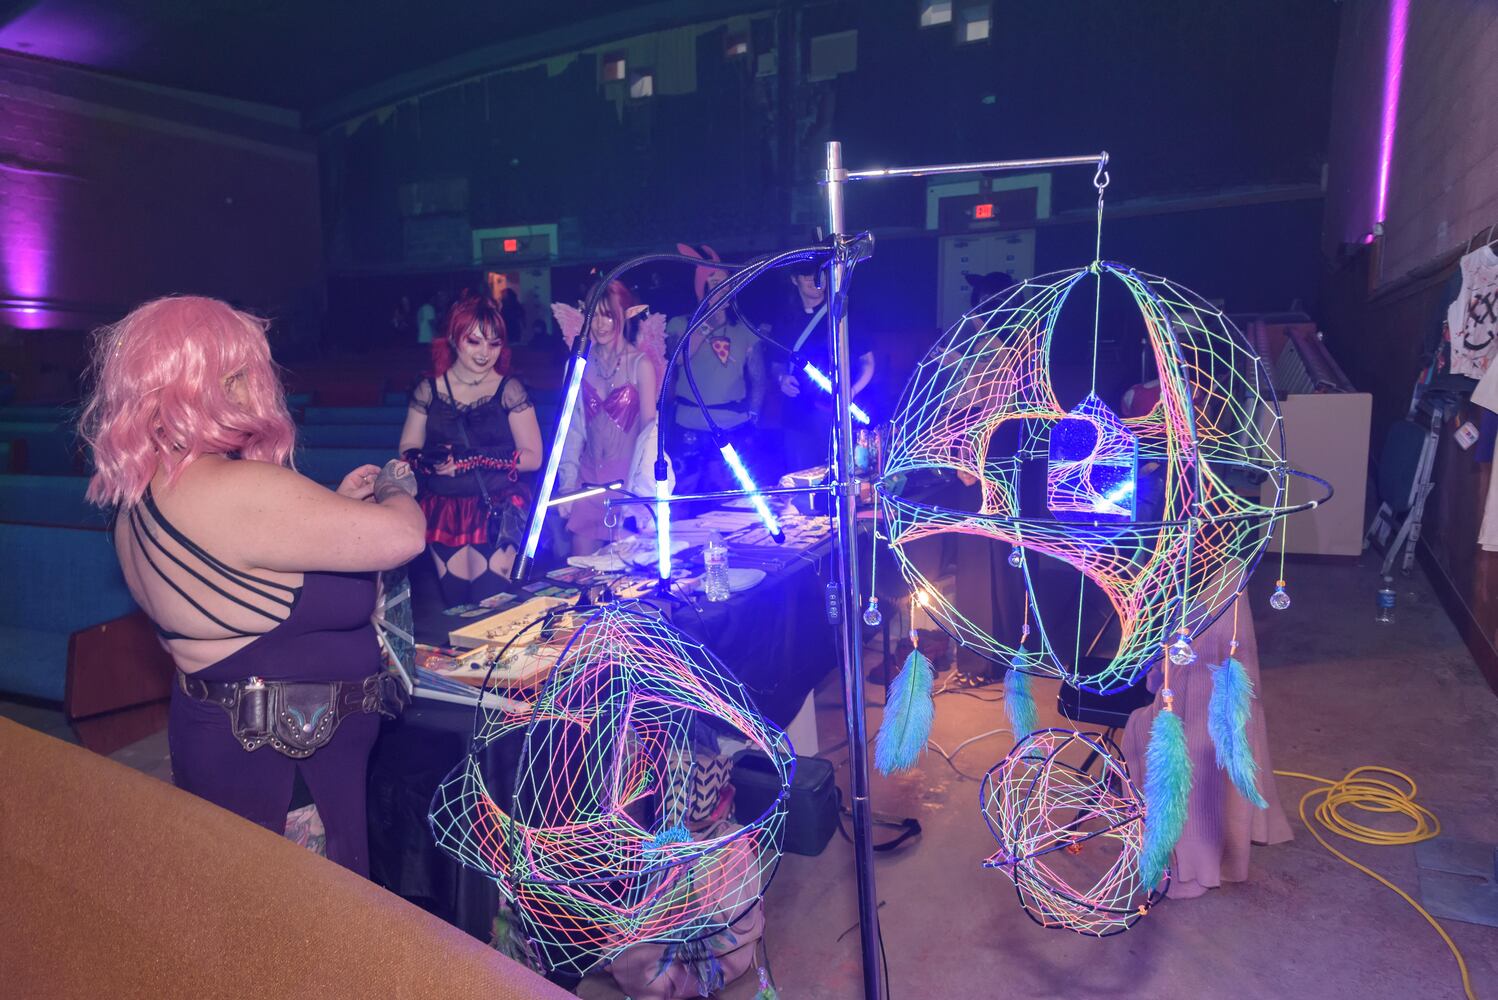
<point>977,168</point>
<point>726,495</point>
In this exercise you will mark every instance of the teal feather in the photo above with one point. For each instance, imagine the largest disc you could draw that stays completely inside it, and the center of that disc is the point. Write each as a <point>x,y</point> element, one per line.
<point>908,710</point>
<point>1167,787</point>
<point>1227,721</point>
<point>670,835</point>
<point>1019,703</point>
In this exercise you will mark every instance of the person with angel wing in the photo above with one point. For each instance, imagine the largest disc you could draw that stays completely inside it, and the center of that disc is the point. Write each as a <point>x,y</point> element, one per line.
<point>728,366</point>
<point>617,407</point>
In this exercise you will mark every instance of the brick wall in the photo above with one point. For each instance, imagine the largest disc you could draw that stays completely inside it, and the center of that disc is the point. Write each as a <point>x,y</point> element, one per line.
<point>112,193</point>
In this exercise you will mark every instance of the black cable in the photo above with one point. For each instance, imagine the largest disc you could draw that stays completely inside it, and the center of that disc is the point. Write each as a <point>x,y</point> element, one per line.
<point>883,959</point>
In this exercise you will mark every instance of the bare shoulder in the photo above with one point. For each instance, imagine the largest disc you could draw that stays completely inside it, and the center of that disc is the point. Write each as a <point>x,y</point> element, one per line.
<point>250,482</point>
<point>274,518</point>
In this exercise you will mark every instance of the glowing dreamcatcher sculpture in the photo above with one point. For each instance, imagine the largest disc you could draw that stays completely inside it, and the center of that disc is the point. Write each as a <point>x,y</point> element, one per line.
<point>593,852</point>
<point>1069,836</point>
<point>1143,508</point>
<point>1162,513</point>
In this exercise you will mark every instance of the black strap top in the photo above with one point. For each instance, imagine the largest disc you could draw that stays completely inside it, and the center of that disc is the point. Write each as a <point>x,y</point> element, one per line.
<point>268,602</point>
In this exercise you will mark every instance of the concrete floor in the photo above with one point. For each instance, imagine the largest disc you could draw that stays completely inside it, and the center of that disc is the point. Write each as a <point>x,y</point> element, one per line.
<point>1339,692</point>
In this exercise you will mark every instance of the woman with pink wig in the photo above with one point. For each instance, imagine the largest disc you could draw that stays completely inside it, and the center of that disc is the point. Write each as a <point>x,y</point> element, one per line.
<point>261,583</point>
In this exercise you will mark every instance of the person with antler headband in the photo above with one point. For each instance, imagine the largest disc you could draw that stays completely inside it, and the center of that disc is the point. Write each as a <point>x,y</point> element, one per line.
<point>727,364</point>
<point>613,432</point>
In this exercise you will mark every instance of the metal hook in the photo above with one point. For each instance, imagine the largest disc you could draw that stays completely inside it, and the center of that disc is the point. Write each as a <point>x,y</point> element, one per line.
<point>1100,179</point>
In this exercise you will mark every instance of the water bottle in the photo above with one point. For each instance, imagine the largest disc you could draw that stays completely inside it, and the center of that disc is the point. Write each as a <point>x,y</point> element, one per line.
<point>1386,597</point>
<point>715,558</point>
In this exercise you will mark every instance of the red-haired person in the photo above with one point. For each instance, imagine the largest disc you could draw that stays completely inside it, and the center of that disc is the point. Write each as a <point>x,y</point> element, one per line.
<point>471,431</point>
<point>261,583</point>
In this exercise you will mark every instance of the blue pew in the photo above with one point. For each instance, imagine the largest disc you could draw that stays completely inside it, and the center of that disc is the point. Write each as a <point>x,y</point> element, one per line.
<point>50,448</point>
<point>54,500</point>
<point>38,414</point>
<point>329,465</point>
<point>385,436</point>
<point>72,582</point>
<point>387,415</point>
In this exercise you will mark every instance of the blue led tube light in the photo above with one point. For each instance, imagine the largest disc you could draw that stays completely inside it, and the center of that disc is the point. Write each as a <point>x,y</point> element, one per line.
<point>746,482</point>
<point>825,384</point>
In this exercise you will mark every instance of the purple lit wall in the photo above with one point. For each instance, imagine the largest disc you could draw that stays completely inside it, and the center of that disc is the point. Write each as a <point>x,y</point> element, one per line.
<point>1399,12</point>
<point>111,194</point>
<point>1414,139</point>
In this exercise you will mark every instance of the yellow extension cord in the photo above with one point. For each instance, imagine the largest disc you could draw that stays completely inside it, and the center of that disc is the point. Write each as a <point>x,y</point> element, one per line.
<point>1372,794</point>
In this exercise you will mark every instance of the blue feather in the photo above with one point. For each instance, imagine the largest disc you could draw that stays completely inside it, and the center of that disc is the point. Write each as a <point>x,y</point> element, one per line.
<point>671,835</point>
<point>1167,788</point>
<point>1019,703</point>
<point>908,711</point>
<point>1227,721</point>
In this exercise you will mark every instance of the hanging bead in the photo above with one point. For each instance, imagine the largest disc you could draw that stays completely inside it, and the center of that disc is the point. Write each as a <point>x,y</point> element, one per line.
<point>1016,557</point>
<point>1181,653</point>
<point>1279,600</point>
<point>872,616</point>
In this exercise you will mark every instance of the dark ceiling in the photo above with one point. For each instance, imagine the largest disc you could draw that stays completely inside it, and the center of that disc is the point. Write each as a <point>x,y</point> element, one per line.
<point>298,54</point>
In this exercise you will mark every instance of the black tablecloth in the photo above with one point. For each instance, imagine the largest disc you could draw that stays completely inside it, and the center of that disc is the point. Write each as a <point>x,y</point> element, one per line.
<point>774,638</point>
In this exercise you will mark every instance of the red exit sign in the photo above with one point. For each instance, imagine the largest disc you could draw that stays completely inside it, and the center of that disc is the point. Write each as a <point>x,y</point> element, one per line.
<point>983,210</point>
<point>512,246</point>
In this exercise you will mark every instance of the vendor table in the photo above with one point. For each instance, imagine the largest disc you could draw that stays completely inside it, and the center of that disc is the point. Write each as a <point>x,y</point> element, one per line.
<point>774,638</point>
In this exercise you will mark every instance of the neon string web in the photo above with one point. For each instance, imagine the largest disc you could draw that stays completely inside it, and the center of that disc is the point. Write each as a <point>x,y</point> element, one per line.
<point>593,851</point>
<point>1188,546</point>
<point>1070,826</point>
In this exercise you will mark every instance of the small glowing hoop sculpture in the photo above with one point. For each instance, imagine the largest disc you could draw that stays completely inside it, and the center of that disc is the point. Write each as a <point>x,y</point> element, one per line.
<point>1165,568</point>
<point>1069,837</point>
<point>592,851</point>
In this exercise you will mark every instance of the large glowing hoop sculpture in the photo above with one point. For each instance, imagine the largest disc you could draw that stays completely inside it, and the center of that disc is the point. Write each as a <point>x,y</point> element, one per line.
<point>1169,566</point>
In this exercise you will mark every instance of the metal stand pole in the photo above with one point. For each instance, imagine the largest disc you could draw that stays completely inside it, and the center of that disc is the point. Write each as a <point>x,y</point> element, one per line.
<point>844,496</point>
<point>845,565</point>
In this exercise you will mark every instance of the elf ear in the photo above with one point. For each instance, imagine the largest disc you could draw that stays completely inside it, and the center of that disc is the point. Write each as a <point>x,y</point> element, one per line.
<point>634,311</point>
<point>712,254</point>
<point>689,251</point>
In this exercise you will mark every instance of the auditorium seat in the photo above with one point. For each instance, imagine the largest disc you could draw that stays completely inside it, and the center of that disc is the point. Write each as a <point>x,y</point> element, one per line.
<point>59,580</point>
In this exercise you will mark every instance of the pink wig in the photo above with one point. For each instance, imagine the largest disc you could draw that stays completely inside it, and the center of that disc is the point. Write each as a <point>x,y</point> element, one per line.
<point>160,395</point>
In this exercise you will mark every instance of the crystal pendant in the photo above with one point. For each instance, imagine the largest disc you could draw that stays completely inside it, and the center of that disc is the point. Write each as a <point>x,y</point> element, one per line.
<point>1016,557</point>
<point>1181,653</point>
<point>872,616</point>
<point>1279,600</point>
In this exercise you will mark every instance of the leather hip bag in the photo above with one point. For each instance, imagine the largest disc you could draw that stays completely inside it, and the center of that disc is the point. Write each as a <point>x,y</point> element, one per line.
<point>294,717</point>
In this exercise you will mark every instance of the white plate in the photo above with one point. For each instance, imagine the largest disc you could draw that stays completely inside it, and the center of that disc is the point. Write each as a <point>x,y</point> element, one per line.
<point>744,579</point>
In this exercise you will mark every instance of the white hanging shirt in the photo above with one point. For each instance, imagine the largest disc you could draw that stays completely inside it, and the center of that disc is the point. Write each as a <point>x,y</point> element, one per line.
<point>1472,320</point>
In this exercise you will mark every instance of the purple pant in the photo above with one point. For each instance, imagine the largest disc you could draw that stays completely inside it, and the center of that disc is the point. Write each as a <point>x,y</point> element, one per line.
<point>209,762</point>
